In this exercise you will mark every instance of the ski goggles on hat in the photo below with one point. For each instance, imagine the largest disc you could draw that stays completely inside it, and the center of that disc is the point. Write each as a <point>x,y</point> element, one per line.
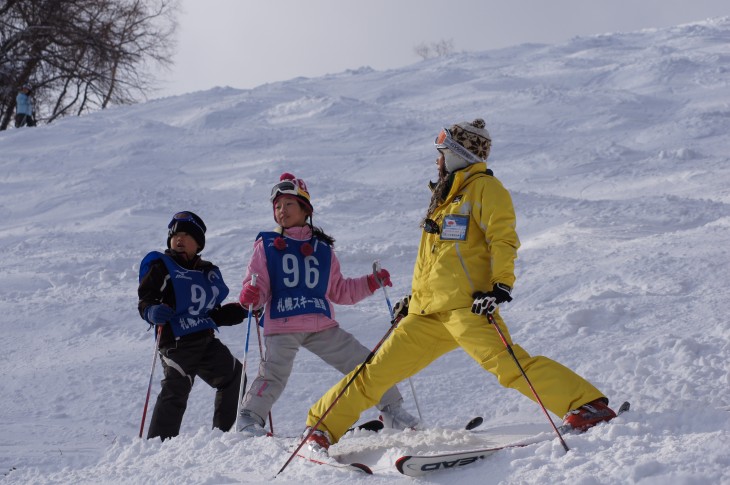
<point>183,217</point>
<point>287,187</point>
<point>445,141</point>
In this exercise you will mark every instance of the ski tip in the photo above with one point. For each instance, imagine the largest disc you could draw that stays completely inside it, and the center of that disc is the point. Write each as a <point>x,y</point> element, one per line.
<point>362,467</point>
<point>374,425</point>
<point>333,463</point>
<point>400,463</point>
<point>474,423</point>
<point>624,407</point>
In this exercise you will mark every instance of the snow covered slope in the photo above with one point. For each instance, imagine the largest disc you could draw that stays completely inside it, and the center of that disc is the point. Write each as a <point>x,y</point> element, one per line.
<point>615,149</point>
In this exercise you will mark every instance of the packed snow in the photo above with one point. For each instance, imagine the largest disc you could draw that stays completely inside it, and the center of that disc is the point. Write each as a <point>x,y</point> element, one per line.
<point>614,147</point>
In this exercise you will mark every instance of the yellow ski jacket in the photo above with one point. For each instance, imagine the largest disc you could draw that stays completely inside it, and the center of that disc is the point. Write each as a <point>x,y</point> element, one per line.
<point>475,248</point>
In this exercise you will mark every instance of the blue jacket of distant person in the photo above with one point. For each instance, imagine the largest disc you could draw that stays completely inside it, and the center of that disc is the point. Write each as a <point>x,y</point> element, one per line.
<point>23,104</point>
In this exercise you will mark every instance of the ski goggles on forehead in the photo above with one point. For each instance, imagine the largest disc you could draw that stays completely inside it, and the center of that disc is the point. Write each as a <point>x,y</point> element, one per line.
<point>441,138</point>
<point>444,140</point>
<point>183,217</point>
<point>286,187</point>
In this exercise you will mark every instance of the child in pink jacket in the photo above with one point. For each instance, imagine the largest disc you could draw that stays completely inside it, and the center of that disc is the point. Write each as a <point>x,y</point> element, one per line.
<point>298,279</point>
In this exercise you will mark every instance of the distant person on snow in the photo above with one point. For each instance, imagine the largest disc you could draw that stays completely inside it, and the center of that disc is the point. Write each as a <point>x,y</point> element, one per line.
<point>464,270</point>
<point>24,107</point>
<point>298,279</point>
<point>182,294</point>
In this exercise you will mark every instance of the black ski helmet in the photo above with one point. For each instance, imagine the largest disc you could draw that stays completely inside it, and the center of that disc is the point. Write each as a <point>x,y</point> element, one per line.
<point>190,223</point>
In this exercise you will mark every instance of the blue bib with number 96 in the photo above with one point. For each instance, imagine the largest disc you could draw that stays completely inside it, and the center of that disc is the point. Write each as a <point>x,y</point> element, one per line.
<point>298,282</point>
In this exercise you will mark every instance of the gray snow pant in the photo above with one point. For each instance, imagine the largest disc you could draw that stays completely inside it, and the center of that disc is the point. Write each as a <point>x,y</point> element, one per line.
<point>335,346</point>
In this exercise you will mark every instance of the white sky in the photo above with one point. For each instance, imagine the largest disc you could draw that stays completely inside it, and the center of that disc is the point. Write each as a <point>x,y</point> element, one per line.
<point>243,43</point>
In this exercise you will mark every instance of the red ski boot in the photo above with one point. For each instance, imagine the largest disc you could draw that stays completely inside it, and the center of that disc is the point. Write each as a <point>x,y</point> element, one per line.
<point>589,415</point>
<point>318,442</point>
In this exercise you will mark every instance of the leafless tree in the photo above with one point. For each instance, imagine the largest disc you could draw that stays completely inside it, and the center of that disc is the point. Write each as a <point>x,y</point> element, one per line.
<point>82,55</point>
<point>441,48</point>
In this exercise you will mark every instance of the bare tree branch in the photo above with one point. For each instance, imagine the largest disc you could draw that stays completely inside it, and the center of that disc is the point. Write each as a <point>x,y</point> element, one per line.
<point>82,55</point>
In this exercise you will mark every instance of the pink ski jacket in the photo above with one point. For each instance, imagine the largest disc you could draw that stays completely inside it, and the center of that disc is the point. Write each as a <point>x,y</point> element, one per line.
<point>340,290</point>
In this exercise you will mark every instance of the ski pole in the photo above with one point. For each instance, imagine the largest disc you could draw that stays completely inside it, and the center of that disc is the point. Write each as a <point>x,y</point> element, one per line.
<point>534,392</point>
<point>245,353</point>
<point>376,269</point>
<point>261,355</point>
<point>152,373</point>
<point>337,398</point>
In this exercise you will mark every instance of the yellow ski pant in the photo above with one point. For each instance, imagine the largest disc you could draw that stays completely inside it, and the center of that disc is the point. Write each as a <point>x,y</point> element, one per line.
<point>421,339</point>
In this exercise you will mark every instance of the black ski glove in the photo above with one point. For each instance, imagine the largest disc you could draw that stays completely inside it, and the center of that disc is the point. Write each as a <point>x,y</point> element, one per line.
<point>228,314</point>
<point>487,302</point>
<point>400,310</point>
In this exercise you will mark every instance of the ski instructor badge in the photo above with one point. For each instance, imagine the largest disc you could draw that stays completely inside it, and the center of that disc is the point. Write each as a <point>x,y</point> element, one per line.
<point>454,227</point>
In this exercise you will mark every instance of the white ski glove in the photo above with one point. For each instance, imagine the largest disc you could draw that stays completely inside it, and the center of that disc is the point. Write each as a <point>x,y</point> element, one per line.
<point>400,310</point>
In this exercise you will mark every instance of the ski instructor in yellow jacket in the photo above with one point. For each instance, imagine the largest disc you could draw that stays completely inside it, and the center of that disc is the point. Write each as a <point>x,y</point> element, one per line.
<point>464,270</point>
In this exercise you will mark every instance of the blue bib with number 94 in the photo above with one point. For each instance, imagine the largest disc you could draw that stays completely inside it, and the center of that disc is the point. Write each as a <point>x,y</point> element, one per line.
<point>196,293</point>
